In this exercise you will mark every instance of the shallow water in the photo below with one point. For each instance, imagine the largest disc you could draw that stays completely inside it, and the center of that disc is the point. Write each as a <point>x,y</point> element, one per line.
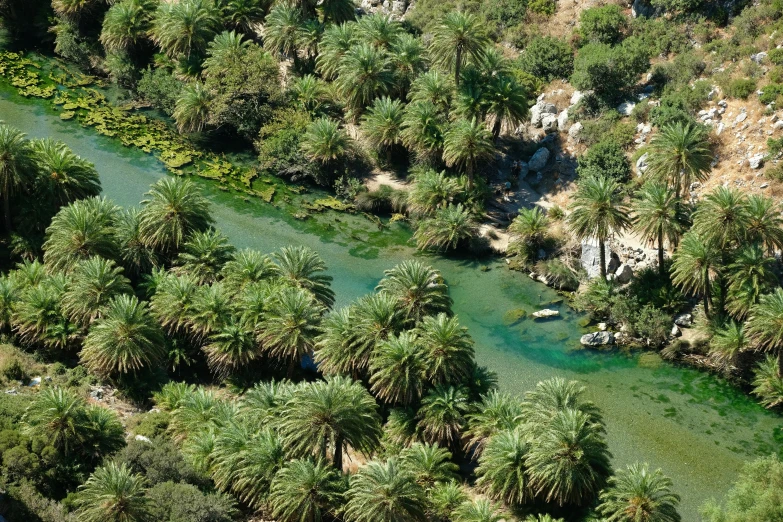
<point>695,427</point>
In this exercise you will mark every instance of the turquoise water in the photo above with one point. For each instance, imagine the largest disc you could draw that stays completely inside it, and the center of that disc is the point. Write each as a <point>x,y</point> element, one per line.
<point>695,427</point>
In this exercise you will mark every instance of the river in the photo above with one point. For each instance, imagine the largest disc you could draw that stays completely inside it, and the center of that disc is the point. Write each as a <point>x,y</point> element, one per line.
<point>694,426</point>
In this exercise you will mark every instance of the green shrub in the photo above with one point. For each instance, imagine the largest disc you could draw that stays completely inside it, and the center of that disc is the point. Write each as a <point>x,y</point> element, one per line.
<point>603,24</point>
<point>740,88</point>
<point>278,145</point>
<point>151,424</point>
<point>775,56</point>
<point>774,172</point>
<point>544,7</point>
<point>160,461</point>
<point>678,6</point>
<point>548,58</point>
<point>609,71</point>
<point>770,93</point>
<point>775,146</point>
<point>755,496</point>
<point>775,75</point>
<point>171,502</point>
<point>605,158</point>
<point>661,36</point>
<point>160,89</point>
<point>502,14</point>
<point>558,274</point>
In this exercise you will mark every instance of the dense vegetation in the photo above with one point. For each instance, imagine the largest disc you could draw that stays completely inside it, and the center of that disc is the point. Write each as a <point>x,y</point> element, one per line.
<point>266,398</point>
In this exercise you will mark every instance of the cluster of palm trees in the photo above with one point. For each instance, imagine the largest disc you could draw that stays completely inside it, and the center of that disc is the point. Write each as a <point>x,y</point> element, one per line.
<point>723,248</point>
<point>282,448</point>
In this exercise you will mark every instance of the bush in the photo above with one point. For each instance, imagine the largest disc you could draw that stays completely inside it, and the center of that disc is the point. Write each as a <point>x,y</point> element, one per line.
<point>544,7</point>
<point>160,89</point>
<point>609,71</point>
<point>605,158</point>
<point>740,88</point>
<point>755,496</point>
<point>278,145</point>
<point>121,69</point>
<point>775,56</point>
<point>548,58</point>
<point>602,24</point>
<point>678,6</point>
<point>672,109</point>
<point>172,502</point>
<point>558,274</point>
<point>770,93</point>
<point>160,461</point>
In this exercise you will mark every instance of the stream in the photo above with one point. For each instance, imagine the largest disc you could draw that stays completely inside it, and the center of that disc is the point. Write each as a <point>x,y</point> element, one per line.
<point>696,427</point>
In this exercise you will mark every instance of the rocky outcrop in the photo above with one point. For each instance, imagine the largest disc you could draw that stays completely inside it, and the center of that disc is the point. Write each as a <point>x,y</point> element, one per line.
<point>591,258</point>
<point>538,160</point>
<point>539,110</point>
<point>597,339</point>
<point>643,8</point>
<point>684,320</point>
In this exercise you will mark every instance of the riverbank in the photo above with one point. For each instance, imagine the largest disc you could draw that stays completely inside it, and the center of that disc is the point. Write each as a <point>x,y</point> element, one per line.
<point>696,427</point>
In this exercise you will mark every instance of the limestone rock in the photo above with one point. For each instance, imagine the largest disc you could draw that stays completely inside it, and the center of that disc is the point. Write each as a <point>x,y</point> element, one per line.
<point>538,160</point>
<point>623,274</point>
<point>625,108</point>
<point>575,130</point>
<point>756,161</point>
<point>538,111</point>
<point>142,438</point>
<point>562,119</point>
<point>597,339</point>
<point>758,57</point>
<point>549,122</point>
<point>684,320</point>
<point>546,313</point>
<point>675,331</point>
<point>591,260</point>
<point>641,164</point>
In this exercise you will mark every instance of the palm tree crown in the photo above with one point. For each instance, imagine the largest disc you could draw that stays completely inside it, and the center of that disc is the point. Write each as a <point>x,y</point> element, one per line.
<point>457,38</point>
<point>679,155</point>
<point>636,494</point>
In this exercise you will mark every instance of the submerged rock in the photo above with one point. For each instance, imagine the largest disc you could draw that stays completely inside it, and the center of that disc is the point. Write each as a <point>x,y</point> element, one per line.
<point>597,339</point>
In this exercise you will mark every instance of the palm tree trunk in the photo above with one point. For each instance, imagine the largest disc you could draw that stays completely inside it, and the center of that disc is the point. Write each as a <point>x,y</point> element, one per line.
<point>6,212</point>
<point>661,269</point>
<point>602,258</point>
<point>338,453</point>
<point>706,298</point>
<point>496,128</point>
<point>469,172</point>
<point>457,66</point>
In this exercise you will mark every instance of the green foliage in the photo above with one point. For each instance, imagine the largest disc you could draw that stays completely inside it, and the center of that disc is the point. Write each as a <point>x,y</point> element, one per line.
<point>771,93</point>
<point>604,24</point>
<point>636,493</point>
<point>547,58</point>
<point>755,496</point>
<point>609,70</point>
<point>448,227</point>
<point>740,88</point>
<point>159,88</point>
<point>679,6</point>
<point>278,145</point>
<point>605,158</point>
<point>179,502</point>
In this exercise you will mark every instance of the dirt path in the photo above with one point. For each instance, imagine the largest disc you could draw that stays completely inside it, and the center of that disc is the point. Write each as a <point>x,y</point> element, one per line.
<point>379,177</point>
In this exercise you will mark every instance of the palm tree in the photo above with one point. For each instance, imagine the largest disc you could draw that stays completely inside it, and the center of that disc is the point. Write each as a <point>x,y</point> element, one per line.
<point>126,339</point>
<point>446,229</point>
<point>301,267</point>
<point>79,231</point>
<point>497,412</point>
<point>9,295</point>
<point>597,212</point>
<point>337,347</point>
<point>382,124</point>
<point>471,102</point>
<point>203,255</point>
<point>658,216</point>
<point>230,349</point>
<point>305,491</point>
<point>764,326</point>
<point>66,177</point>
<point>364,74</point>
<point>174,209</point>
<point>447,347</point>
<point>530,231</point>
<point>58,415</point>
<point>246,268</point>
<point>113,493</point>
<point>679,155</point>
<point>183,28</point>
<point>224,51</point>
<point>465,143</point>
<point>553,396</point>
<point>722,217</point>
<point>309,93</point>
<point>72,10</point>
<point>335,42</point>
<point>442,416</point>
<point>506,103</point>
<point>401,427</point>
<point>337,11</point>
<point>379,30</point>
<point>39,318</point>
<point>422,129</point>
<point>569,464</point>
<point>172,304</point>
<point>696,264</point>
<point>191,111</point>
<point>94,283</point>
<point>196,412</point>
<point>325,141</point>
<point>768,382</point>
<point>726,345</point>
<point>291,325</point>
<point>307,36</point>
<point>429,463</point>
<point>16,167</point>
<point>418,288</point>
<point>408,61</point>
<point>457,38</point>
<point>397,370</point>
<point>245,15</point>
<point>479,510</point>
<point>750,275</point>
<point>435,88</point>
<point>332,415</point>
<point>134,255</point>
<point>384,491</point>
<point>281,29</point>
<point>213,308</point>
<point>105,434</point>
<point>764,222</point>
<point>636,494</point>
<point>445,498</point>
<point>431,191</point>
<point>126,25</point>
<point>502,471</point>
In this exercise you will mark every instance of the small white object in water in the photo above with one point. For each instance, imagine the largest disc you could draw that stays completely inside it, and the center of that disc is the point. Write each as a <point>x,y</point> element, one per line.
<point>545,313</point>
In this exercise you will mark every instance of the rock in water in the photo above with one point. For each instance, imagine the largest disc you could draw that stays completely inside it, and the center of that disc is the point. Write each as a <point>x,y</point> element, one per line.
<point>545,314</point>
<point>597,339</point>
